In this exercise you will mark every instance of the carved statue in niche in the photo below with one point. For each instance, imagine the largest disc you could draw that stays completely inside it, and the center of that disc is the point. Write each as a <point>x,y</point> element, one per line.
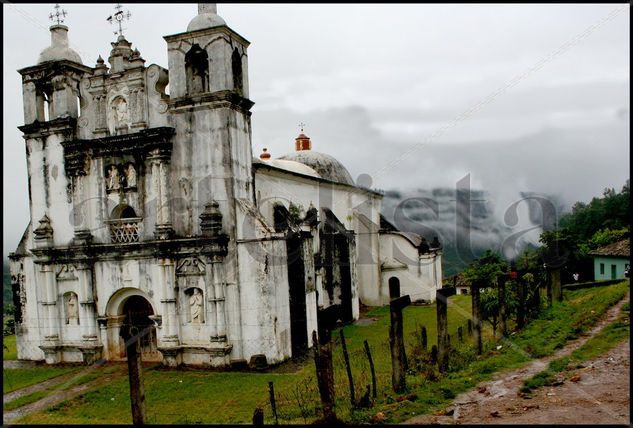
<point>195,303</point>
<point>120,111</point>
<point>130,175</point>
<point>113,179</point>
<point>72,312</point>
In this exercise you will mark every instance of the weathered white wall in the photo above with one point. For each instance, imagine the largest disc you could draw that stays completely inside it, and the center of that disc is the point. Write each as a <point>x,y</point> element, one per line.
<point>348,204</point>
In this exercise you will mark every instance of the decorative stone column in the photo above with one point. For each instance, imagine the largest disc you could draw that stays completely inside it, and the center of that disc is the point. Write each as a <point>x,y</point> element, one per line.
<point>159,161</point>
<point>91,348</point>
<point>49,326</point>
<point>218,301</point>
<point>215,249</point>
<point>211,272</point>
<point>81,210</point>
<point>170,343</point>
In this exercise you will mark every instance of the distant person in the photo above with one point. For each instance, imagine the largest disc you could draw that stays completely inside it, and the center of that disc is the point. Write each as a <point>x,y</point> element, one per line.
<point>576,277</point>
<point>627,271</point>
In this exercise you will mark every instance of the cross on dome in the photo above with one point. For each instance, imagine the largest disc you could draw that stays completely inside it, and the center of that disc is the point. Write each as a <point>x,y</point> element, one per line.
<point>58,16</point>
<point>119,16</point>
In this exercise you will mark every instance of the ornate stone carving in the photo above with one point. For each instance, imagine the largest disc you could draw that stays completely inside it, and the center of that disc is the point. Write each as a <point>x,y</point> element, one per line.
<point>130,175</point>
<point>72,311</point>
<point>67,272</point>
<point>113,179</point>
<point>195,304</point>
<point>211,219</point>
<point>121,114</point>
<point>190,266</point>
<point>44,231</point>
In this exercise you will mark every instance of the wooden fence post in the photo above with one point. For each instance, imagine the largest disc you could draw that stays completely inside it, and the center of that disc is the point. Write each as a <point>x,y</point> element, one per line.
<point>557,289</point>
<point>469,328</point>
<point>501,283</point>
<point>433,355</point>
<point>441,305</point>
<point>476,309</point>
<point>460,334</point>
<point>373,371</point>
<point>273,404</point>
<point>349,370</point>
<point>258,417</point>
<point>521,304</point>
<point>396,343</point>
<point>135,374</point>
<point>424,339</point>
<point>326,319</point>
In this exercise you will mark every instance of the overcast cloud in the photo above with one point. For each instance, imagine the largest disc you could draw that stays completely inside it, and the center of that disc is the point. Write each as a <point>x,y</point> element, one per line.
<point>374,82</point>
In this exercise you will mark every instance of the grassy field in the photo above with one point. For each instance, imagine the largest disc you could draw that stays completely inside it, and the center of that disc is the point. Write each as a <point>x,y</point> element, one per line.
<point>13,379</point>
<point>10,352</point>
<point>83,375</point>
<point>199,396</point>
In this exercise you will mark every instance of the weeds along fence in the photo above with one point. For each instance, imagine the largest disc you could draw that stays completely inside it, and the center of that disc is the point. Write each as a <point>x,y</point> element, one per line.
<point>299,402</point>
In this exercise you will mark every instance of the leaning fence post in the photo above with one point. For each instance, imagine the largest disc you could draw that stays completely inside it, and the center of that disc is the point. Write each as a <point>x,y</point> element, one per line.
<point>371,367</point>
<point>349,369</point>
<point>273,404</point>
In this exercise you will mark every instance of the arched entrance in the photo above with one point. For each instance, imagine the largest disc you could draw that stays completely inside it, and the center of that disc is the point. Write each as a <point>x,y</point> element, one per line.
<point>128,310</point>
<point>136,321</point>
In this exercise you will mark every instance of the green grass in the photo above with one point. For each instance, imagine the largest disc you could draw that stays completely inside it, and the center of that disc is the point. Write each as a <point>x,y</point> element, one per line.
<point>13,379</point>
<point>608,338</point>
<point>80,378</point>
<point>24,400</point>
<point>191,396</point>
<point>11,353</point>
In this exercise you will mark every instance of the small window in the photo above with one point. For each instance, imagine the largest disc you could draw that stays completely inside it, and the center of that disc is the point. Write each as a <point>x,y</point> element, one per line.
<point>236,65</point>
<point>394,287</point>
<point>601,268</point>
<point>197,69</point>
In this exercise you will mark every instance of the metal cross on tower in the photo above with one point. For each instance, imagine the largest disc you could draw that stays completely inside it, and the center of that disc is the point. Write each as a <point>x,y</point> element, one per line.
<point>58,16</point>
<point>118,17</point>
<point>301,125</point>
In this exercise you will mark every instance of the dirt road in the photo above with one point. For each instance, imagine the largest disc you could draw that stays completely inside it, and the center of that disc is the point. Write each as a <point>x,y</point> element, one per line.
<point>601,396</point>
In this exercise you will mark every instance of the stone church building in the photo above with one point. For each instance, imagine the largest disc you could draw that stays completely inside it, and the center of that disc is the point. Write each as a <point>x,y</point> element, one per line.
<point>150,214</point>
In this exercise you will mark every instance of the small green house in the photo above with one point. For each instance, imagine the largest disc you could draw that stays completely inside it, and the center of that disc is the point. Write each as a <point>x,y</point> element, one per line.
<point>610,261</point>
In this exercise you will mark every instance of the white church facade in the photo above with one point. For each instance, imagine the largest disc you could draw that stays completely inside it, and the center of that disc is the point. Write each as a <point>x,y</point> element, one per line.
<point>150,213</point>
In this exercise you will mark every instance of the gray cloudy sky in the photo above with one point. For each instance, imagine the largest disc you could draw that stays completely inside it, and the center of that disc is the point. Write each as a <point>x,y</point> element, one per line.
<point>381,86</point>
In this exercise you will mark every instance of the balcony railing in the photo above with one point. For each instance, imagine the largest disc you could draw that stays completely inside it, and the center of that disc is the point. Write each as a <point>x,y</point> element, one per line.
<point>125,230</point>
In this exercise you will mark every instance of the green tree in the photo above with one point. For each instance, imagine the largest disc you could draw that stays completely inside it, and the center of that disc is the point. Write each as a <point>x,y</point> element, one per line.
<point>486,269</point>
<point>608,236</point>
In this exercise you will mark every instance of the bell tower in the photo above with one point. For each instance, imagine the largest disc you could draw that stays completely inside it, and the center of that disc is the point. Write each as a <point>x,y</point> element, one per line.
<point>51,98</point>
<point>210,111</point>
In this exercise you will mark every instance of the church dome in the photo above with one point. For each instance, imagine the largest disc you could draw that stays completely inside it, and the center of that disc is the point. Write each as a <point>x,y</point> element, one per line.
<point>207,18</point>
<point>59,49</point>
<point>292,166</point>
<point>325,165</point>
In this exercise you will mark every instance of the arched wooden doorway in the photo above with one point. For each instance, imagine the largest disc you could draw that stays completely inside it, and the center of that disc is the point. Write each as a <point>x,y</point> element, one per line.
<point>137,311</point>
